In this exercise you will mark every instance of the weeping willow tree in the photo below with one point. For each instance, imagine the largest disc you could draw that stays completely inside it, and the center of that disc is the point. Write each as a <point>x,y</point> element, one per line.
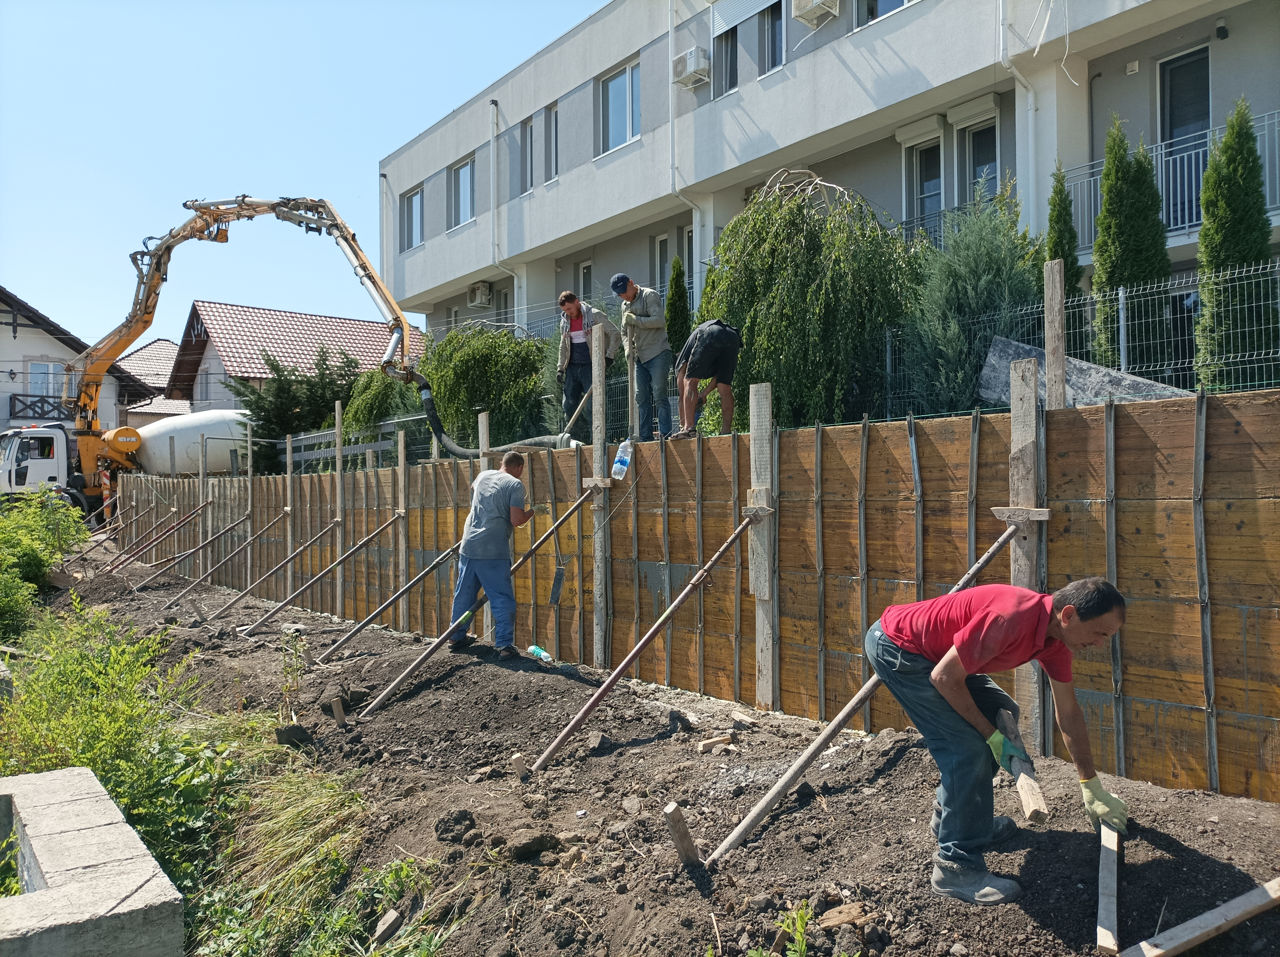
<point>812,279</point>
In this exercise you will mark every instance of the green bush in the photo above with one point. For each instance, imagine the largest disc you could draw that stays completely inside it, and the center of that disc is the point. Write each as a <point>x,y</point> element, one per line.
<point>679,322</point>
<point>479,370</point>
<point>36,530</point>
<point>1061,239</point>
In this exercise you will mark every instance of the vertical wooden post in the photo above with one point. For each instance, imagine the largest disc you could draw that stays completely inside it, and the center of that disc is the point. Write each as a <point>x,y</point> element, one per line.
<point>975,426</point>
<point>864,577</point>
<point>533,564</point>
<point>633,411</point>
<point>602,598</point>
<point>635,550</point>
<point>1024,550</point>
<point>701,637</point>
<point>762,547</point>
<point>737,571</point>
<point>402,536</point>
<point>917,495</point>
<point>1055,348</point>
<point>1117,663</point>
<point>248,552</point>
<point>203,523</point>
<point>173,457</point>
<point>482,425</point>
<point>582,611</point>
<point>820,612</point>
<point>340,500</point>
<point>435,448</point>
<point>292,521</point>
<point>666,556</point>
<point>1202,589</point>
<point>555,514</point>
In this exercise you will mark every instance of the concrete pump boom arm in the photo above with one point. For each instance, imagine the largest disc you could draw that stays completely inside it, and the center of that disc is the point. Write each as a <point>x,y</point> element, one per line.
<point>209,222</point>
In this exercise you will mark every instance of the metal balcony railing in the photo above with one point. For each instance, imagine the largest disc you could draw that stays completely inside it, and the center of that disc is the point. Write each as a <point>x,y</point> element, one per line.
<point>1180,166</point>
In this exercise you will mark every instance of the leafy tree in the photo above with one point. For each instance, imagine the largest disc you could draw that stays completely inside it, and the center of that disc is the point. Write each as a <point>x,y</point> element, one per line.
<point>482,370</point>
<point>1061,239</point>
<point>678,318</point>
<point>1129,249</point>
<point>292,401</point>
<point>1236,231</point>
<point>812,279</point>
<point>972,291</point>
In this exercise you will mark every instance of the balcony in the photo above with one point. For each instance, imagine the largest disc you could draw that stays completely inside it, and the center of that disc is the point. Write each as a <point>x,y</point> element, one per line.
<point>42,407</point>
<point>1180,166</point>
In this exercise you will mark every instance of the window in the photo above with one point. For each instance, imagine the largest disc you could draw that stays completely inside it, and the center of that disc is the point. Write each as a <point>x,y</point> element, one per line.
<point>928,180</point>
<point>724,66</point>
<point>462,192</point>
<point>584,280</point>
<point>46,379</point>
<point>619,107</point>
<point>411,219</point>
<point>526,156</point>
<point>551,165</point>
<point>688,255</point>
<point>983,174</point>
<point>1184,125</point>
<point>771,38</point>
<point>874,9</point>
<point>202,385</point>
<point>502,305</point>
<point>660,261</point>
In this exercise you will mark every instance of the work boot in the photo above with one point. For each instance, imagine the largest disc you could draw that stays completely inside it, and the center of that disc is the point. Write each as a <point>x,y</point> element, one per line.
<point>973,886</point>
<point>1002,827</point>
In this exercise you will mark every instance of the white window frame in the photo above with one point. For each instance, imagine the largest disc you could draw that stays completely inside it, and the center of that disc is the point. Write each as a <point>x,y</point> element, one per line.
<point>54,372</point>
<point>455,193</point>
<point>912,137</point>
<point>720,62</point>
<point>584,279</point>
<point>526,156</point>
<point>1161,96</point>
<point>968,118</point>
<point>631,78</point>
<point>412,221</point>
<point>686,246</point>
<point>552,172</point>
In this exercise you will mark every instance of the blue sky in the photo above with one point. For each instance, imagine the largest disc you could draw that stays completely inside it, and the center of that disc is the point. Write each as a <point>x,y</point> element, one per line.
<point>114,112</point>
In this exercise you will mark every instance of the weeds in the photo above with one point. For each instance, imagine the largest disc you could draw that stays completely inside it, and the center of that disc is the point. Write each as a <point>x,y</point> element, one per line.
<point>793,923</point>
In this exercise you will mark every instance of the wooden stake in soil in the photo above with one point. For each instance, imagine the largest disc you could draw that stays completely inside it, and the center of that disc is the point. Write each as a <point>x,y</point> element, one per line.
<point>680,835</point>
<point>1109,858</point>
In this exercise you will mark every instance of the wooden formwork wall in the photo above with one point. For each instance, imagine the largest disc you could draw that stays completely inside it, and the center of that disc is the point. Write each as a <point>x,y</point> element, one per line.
<point>867,516</point>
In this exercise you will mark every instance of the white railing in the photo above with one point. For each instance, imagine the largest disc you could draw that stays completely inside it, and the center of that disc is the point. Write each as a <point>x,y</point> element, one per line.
<point>1180,166</point>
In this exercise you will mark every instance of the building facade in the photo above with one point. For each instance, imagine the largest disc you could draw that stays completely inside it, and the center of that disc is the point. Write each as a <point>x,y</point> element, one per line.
<point>639,133</point>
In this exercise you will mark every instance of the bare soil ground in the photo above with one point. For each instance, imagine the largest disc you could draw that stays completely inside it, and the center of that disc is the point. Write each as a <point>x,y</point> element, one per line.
<point>579,861</point>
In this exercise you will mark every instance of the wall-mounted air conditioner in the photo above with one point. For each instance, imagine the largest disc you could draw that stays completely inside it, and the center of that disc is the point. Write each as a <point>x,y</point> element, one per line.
<point>814,12</point>
<point>480,293</point>
<point>691,67</point>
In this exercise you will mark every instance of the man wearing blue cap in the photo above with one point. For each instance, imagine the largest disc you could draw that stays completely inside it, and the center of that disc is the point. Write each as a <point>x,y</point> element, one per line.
<point>644,334</point>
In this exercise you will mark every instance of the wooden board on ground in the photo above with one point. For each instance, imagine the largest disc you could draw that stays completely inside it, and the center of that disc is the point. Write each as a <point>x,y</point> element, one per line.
<point>1211,923</point>
<point>1109,857</point>
<point>1024,773</point>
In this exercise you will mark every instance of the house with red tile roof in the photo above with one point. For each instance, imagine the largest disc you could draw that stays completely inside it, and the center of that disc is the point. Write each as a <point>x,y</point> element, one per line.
<point>223,341</point>
<point>153,364</point>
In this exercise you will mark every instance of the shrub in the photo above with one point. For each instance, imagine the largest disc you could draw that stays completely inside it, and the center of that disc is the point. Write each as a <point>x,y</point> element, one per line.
<point>1061,239</point>
<point>478,370</point>
<point>678,320</point>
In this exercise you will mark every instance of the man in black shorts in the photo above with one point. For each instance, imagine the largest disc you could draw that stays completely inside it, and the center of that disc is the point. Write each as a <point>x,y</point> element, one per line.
<point>710,353</point>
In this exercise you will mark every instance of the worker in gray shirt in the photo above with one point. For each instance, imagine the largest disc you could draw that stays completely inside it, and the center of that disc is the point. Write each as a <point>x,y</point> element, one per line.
<point>644,333</point>
<point>497,506</point>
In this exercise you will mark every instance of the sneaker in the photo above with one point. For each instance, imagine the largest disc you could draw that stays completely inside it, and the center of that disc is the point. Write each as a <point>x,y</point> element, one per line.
<point>1002,828</point>
<point>509,653</point>
<point>461,644</point>
<point>972,886</point>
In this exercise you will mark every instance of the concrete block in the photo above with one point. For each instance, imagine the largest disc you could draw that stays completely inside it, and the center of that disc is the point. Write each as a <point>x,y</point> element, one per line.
<point>90,887</point>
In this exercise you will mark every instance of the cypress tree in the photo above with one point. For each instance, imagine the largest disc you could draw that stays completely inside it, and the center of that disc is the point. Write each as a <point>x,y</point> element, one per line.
<point>1061,239</point>
<point>678,327</point>
<point>1236,231</point>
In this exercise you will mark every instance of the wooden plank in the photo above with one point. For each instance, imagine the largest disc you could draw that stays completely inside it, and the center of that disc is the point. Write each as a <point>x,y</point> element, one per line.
<point>821,605</point>
<point>917,497</point>
<point>1024,773</point>
<point>666,550</point>
<point>1024,550</point>
<point>1055,351</point>
<point>971,526</point>
<point>701,627</point>
<point>1221,919</point>
<point>1202,583</point>
<point>680,835</point>
<point>1117,663</point>
<point>864,615</point>
<point>761,545</point>
<point>734,452</point>
<point>1109,858</point>
<point>580,603</point>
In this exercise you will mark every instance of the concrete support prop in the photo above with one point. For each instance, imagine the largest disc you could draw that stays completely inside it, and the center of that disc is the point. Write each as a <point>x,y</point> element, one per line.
<point>1024,554</point>
<point>599,507</point>
<point>335,565</point>
<point>468,615</point>
<point>287,561</point>
<point>762,548</point>
<point>699,579</point>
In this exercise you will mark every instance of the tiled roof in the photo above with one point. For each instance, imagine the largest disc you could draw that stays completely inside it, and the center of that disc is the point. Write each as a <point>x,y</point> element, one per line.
<point>151,363</point>
<point>159,405</point>
<point>242,333</point>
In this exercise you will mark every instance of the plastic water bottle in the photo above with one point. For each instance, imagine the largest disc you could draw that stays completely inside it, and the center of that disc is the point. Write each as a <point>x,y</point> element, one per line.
<point>541,654</point>
<point>622,460</point>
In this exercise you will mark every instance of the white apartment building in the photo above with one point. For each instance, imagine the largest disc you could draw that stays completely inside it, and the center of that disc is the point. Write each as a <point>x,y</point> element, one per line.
<point>639,133</point>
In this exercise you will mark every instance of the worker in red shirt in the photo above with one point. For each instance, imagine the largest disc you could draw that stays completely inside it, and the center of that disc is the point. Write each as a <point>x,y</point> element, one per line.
<point>934,657</point>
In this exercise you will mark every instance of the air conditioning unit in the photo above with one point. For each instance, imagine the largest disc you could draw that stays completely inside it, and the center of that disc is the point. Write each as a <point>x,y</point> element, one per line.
<point>691,67</point>
<point>480,294</point>
<point>814,12</point>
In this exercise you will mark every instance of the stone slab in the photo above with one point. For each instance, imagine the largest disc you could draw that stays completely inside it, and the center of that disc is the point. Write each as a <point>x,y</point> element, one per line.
<point>1087,384</point>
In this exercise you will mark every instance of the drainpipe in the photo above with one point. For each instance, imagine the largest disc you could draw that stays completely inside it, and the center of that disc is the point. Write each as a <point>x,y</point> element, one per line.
<point>1031,106</point>
<point>671,141</point>
<point>521,312</point>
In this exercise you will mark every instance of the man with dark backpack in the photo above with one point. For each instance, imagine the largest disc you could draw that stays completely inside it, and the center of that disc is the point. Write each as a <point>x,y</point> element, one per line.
<point>711,352</point>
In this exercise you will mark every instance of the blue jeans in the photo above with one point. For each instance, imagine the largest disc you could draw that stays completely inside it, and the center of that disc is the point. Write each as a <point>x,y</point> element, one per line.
<point>651,390</point>
<point>577,383</point>
<point>494,576</point>
<point>962,756</point>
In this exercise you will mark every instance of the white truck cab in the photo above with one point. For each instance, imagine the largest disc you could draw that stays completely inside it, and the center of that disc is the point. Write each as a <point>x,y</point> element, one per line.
<point>32,456</point>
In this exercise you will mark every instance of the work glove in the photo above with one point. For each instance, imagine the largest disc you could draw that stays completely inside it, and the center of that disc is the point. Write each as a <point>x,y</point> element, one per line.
<point>1004,751</point>
<point>560,377</point>
<point>1101,806</point>
<point>542,508</point>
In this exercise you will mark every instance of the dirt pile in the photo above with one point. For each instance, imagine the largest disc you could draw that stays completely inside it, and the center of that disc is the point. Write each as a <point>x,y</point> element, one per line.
<point>579,861</point>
